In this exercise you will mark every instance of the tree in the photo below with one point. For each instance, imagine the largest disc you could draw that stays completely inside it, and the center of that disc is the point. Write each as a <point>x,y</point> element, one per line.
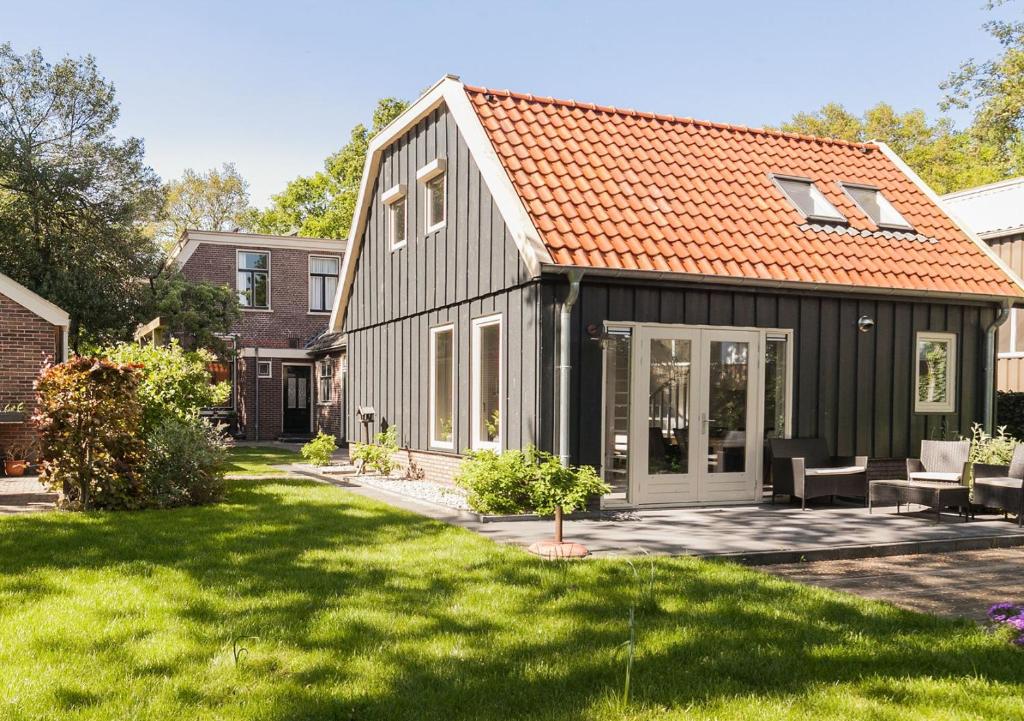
<point>74,200</point>
<point>195,312</point>
<point>995,91</point>
<point>947,159</point>
<point>215,200</point>
<point>322,205</point>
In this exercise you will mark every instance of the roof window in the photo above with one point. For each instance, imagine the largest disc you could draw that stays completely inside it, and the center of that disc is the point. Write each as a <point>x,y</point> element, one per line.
<point>876,206</point>
<point>805,197</point>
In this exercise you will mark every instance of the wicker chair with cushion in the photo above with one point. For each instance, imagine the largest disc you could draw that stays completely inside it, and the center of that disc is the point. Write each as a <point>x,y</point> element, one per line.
<point>803,468</point>
<point>1001,486</point>
<point>940,461</point>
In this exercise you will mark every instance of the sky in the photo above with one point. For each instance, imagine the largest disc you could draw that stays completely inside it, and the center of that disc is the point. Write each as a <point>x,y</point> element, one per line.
<point>277,86</point>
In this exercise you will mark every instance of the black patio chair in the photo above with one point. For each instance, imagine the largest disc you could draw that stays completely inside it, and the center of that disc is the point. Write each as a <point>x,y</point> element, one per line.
<point>803,468</point>
<point>1001,487</point>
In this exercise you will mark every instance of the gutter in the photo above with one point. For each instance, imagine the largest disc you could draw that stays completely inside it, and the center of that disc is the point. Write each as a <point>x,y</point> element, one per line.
<point>565,365</point>
<point>988,406</point>
<point>256,376</point>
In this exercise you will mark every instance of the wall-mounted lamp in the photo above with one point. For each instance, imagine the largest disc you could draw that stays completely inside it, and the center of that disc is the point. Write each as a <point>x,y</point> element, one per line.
<point>602,333</point>
<point>865,324</point>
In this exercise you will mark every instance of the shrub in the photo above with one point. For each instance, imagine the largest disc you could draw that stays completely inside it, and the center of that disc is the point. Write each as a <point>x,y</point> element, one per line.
<point>1010,413</point>
<point>997,450</point>
<point>184,463</point>
<point>521,481</point>
<point>378,455</point>
<point>319,450</point>
<point>89,417</point>
<point>174,382</point>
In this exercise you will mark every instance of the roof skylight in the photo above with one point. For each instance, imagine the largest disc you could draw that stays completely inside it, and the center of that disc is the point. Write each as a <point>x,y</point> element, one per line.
<point>805,197</point>
<point>876,206</point>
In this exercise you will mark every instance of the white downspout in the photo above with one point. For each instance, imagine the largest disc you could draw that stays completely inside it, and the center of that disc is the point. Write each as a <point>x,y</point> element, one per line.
<point>988,405</point>
<point>565,365</point>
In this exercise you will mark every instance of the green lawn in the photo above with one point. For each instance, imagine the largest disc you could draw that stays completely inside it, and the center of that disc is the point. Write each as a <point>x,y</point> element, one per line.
<point>259,459</point>
<point>359,611</point>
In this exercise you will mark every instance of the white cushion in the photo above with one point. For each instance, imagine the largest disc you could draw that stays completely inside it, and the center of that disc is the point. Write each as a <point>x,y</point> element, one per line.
<point>839,471</point>
<point>935,476</point>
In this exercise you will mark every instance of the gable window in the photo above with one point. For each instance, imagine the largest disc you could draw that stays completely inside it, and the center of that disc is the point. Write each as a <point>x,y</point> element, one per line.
<point>325,381</point>
<point>487,383</point>
<point>442,386</point>
<point>395,200</point>
<point>253,279</point>
<point>434,179</point>
<point>323,282</point>
<point>876,206</point>
<point>935,373</point>
<point>804,195</point>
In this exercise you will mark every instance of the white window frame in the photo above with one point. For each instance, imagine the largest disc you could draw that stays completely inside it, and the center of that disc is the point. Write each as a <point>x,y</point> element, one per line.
<point>309,281</point>
<point>949,405</point>
<point>391,199</point>
<point>1013,329</point>
<point>270,369</point>
<point>904,226</point>
<point>434,332</point>
<point>476,442</point>
<point>837,219</point>
<point>321,364</point>
<point>270,261</point>
<point>430,171</point>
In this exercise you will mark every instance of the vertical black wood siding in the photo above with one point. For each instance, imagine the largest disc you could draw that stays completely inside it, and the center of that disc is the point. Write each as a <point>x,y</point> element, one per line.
<point>854,389</point>
<point>468,269</point>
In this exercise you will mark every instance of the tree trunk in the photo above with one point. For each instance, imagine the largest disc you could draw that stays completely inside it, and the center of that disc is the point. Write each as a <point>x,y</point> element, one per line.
<point>558,524</point>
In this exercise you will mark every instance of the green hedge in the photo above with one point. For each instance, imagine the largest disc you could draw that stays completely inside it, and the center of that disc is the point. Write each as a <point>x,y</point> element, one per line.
<point>1010,413</point>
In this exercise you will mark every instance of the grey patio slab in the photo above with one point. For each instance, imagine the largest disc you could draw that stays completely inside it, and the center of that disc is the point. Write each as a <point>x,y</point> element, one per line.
<point>24,495</point>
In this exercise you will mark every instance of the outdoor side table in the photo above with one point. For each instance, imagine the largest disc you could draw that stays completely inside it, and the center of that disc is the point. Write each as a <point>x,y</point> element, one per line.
<point>935,494</point>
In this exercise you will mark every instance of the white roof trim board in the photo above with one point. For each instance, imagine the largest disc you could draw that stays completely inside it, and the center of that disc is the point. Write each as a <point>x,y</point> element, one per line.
<point>953,215</point>
<point>991,210</point>
<point>24,297</point>
<point>450,92</point>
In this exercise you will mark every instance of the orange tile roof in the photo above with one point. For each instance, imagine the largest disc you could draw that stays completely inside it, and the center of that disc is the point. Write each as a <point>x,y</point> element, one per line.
<point>620,189</point>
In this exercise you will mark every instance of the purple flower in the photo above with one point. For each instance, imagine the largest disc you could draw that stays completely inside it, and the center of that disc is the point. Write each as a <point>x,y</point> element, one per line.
<point>1002,611</point>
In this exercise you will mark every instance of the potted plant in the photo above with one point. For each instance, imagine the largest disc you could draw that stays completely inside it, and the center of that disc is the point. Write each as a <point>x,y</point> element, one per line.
<point>16,459</point>
<point>12,412</point>
<point>559,489</point>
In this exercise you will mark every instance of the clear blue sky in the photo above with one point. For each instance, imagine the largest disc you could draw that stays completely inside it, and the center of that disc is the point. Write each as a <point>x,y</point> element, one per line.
<point>275,86</point>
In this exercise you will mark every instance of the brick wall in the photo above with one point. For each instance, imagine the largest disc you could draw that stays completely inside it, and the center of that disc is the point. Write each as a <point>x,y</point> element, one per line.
<point>328,415</point>
<point>288,318</point>
<point>433,465</point>
<point>27,342</point>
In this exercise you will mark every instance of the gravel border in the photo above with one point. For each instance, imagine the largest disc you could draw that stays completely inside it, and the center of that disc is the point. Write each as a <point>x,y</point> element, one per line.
<point>438,493</point>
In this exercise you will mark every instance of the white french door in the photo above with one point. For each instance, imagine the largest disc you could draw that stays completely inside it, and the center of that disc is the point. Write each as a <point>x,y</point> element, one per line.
<point>694,415</point>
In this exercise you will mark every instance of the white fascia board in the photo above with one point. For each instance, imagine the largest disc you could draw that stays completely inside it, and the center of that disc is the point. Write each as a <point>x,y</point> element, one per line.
<point>394,194</point>
<point>431,170</point>
<point>268,353</point>
<point>450,92</point>
<point>192,239</point>
<point>37,304</point>
<point>944,207</point>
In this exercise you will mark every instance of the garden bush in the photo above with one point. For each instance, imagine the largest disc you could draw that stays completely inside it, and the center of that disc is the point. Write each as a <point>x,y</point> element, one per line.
<point>89,417</point>
<point>184,463</point>
<point>996,450</point>
<point>524,481</point>
<point>1010,413</point>
<point>378,455</point>
<point>174,382</point>
<point>319,450</point>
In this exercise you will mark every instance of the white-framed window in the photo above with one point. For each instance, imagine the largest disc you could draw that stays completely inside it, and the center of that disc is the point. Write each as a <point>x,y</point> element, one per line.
<point>778,383</point>
<point>264,369</point>
<point>804,195</point>
<point>1011,335</point>
<point>397,216</point>
<point>323,282</point>
<point>325,381</point>
<point>935,372</point>
<point>434,176</point>
<point>876,206</point>
<point>442,387</point>
<point>253,279</point>
<point>487,383</point>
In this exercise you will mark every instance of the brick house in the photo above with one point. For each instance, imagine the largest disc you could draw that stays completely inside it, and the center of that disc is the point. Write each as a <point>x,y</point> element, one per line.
<point>33,332</point>
<point>281,386</point>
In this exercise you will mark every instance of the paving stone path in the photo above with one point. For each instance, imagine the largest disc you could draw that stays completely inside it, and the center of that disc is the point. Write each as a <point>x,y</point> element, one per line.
<point>961,584</point>
<point>24,495</point>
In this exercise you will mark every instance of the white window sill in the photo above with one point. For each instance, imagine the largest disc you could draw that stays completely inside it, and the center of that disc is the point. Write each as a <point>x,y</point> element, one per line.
<point>399,246</point>
<point>318,312</point>
<point>442,446</point>
<point>257,310</point>
<point>435,228</point>
<point>485,446</point>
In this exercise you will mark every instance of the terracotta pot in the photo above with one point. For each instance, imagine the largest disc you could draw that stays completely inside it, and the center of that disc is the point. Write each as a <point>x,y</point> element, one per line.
<point>15,468</point>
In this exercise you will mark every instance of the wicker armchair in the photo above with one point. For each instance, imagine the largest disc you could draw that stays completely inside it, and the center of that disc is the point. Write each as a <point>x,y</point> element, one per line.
<point>940,461</point>
<point>803,468</point>
<point>1001,486</point>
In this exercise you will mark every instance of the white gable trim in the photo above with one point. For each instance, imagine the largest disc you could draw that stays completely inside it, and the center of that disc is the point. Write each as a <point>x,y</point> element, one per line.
<point>450,92</point>
<point>43,308</point>
<point>192,239</point>
<point>944,207</point>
